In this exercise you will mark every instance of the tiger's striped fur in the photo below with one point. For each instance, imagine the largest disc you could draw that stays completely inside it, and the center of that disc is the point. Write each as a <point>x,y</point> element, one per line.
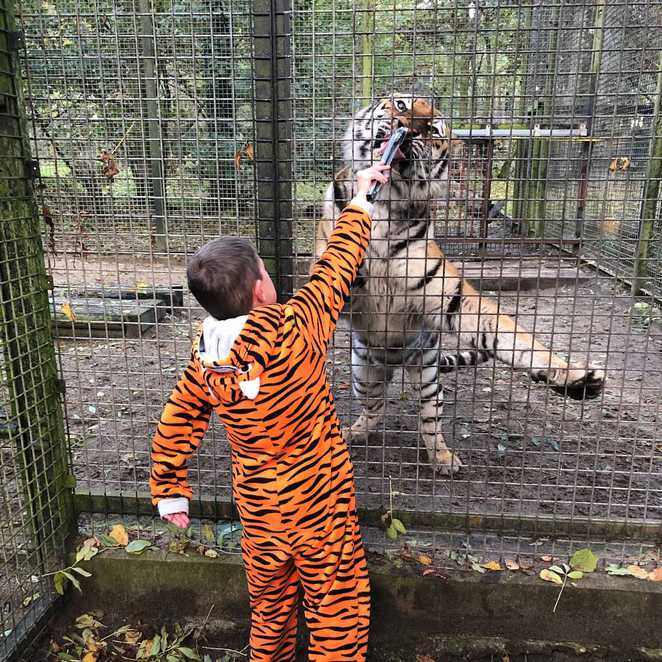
<point>407,293</point>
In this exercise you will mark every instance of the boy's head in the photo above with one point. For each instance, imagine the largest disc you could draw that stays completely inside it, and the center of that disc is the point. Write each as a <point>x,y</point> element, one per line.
<point>228,278</point>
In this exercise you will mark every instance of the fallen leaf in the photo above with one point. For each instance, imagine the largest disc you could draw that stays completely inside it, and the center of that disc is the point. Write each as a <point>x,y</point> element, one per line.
<point>655,575</point>
<point>478,568</point>
<point>637,572</point>
<point>89,657</point>
<point>87,621</point>
<point>208,533</point>
<point>492,565</point>
<point>511,564</point>
<point>119,535</point>
<point>584,560</point>
<point>132,637</point>
<point>424,559</point>
<point>546,558</point>
<point>248,150</point>
<point>617,571</point>
<point>431,571</point>
<point>575,574</point>
<point>424,658</point>
<point>549,576</point>
<point>68,311</point>
<point>211,553</point>
<point>91,542</point>
<point>137,546</point>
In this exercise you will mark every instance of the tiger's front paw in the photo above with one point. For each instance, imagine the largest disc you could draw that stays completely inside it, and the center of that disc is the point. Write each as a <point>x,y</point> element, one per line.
<point>578,383</point>
<point>446,463</point>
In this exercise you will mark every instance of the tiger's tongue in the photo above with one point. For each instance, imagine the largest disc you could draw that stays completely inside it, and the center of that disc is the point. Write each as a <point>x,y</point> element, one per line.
<point>398,154</point>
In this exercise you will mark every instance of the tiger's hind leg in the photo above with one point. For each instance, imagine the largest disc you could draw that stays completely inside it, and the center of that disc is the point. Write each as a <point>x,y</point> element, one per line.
<point>370,379</point>
<point>423,369</point>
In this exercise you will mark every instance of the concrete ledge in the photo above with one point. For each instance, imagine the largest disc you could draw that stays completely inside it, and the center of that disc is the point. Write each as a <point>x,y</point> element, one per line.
<point>468,613</point>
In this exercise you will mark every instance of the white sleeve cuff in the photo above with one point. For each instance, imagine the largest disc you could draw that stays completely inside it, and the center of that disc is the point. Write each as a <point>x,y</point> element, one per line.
<point>361,201</point>
<point>173,505</point>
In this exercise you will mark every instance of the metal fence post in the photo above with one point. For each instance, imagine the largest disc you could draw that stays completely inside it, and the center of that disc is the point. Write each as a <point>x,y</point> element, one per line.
<point>151,126</point>
<point>272,73</point>
<point>33,425</point>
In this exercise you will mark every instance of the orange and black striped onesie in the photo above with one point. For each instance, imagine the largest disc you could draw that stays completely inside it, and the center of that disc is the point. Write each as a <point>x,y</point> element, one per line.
<point>293,480</point>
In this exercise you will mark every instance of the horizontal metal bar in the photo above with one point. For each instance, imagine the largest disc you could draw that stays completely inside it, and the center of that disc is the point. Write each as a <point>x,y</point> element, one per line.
<point>535,132</point>
<point>540,525</point>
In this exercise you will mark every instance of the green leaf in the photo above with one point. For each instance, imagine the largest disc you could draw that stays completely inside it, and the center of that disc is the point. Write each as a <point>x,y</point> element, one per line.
<point>584,560</point>
<point>549,576</point>
<point>73,580</point>
<point>156,645</point>
<point>59,580</point>
<point>188,653</point>
<point>81,572</point>
<point>137,546</point>
<point>478,567</point>
<point>107,540</point>
<point>399,526</point>
<point>391,532</point>
<point>66,657</point>
<point>575,574</point>
<point>558,570</point>
<point>208,533</point>
<point>86,553</point>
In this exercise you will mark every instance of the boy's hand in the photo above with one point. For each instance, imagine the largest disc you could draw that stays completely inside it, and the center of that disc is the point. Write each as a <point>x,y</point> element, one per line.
<point>180,520</point>
<point>364,178</point>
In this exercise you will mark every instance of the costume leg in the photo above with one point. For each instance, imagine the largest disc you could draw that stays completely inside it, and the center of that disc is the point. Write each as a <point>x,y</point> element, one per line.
<point>336,589</point>
<point>272,586</point>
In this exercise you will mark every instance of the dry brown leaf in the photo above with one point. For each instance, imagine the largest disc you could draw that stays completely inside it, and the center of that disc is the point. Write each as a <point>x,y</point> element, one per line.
<point>511,564</point>
<point>546,558</point>
<point>132,637</point>
<point>91,542</point>
<point>655,575</point>
<point>110,168</point>
<point>492,565</point>
<point>90,657</point>
<point>249,151</point>
<point>119,535</point>
<point>424,658</point>
<point>424,559</point>
<point>637,571</point>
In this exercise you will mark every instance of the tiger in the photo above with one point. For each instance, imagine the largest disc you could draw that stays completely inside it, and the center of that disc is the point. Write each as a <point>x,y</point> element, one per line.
<point>407,294</point>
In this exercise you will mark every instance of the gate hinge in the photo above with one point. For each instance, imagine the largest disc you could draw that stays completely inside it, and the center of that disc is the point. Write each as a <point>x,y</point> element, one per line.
<point>32,169</point>
<point>15,40</point>
<point>61,386</point>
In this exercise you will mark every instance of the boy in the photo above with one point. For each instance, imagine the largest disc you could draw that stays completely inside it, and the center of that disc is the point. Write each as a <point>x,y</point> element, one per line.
<point>261,366</point>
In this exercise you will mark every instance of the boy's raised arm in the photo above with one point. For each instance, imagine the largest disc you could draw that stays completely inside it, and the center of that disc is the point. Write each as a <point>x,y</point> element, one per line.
<point>318,303</point>
<point>183,424</point>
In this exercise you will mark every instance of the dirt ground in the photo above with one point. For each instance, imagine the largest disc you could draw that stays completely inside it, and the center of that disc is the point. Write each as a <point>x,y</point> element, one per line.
<point>525,449</point>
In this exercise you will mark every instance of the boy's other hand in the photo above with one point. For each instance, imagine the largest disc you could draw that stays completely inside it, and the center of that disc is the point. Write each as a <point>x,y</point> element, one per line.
<point>180,520</point>
<point>364,178</point>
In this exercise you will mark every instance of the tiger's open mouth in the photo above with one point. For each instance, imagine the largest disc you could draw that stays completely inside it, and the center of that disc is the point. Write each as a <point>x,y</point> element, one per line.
<point>381,140</point>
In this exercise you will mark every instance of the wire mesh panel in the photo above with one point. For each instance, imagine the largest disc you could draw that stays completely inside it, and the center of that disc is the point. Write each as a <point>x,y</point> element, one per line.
<point>159,125</point>
<point>36,501</point>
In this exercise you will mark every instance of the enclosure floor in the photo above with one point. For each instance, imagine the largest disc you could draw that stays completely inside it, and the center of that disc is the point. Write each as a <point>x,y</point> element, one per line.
<point>526,450</point>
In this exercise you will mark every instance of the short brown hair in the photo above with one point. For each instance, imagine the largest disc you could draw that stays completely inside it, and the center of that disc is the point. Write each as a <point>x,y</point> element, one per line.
<point>222,274</point>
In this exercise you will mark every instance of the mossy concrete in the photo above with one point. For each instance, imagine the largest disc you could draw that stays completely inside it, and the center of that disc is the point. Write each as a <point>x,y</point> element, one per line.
<point>467,614</point>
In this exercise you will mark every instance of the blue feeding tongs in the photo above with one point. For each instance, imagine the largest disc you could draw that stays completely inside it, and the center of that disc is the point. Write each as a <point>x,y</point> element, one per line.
<point>394,142</point>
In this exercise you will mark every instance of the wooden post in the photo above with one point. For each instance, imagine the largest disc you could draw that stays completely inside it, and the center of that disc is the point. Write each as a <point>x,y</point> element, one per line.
<point>651,191</point>
<point>151,117</point>
<point>367,51</point>
<point>546,112</point>
<point>587,145</point>
<point>31,395</point>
